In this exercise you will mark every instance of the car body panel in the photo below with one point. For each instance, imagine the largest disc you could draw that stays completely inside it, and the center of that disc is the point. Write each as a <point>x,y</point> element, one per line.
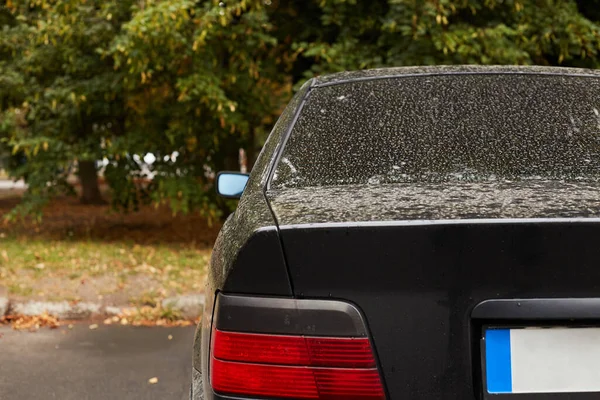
<point>427,202</point>
<point>398,72</point>
<point>418,284</point>
<point>249,237</point>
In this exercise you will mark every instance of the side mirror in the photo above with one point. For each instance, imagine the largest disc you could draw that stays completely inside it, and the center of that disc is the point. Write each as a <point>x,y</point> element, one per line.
<point>231,184</point>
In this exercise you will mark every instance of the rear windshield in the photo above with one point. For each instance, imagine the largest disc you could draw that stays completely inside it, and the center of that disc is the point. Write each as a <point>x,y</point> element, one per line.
<point>428,129</point>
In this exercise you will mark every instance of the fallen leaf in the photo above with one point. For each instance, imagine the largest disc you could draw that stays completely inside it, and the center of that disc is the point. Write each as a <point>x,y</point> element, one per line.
<point>31,323</point>
<point>108,321</point>
<point>94,326</point>
<point>153,381</point>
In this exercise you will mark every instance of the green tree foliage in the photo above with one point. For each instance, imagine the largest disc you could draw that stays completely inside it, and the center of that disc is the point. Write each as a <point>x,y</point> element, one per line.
<point>59,95</point>
<point>193,81</point>
<point>190,82</point>
<point>364,34</point>
<point>201,79</point>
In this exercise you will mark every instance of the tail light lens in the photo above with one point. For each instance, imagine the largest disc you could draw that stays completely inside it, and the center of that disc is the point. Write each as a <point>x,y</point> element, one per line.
<point>299,367</point>
<point>293,350</point>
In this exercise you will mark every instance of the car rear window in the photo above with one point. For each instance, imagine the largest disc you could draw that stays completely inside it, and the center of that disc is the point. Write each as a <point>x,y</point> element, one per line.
<point>428,129</point>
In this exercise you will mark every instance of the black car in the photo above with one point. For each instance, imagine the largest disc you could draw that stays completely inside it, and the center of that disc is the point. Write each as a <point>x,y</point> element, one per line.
<point>414,233</point>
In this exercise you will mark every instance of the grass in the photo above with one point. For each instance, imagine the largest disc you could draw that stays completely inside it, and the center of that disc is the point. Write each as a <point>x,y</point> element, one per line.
<point>86,253</point>
<point>28,266</point>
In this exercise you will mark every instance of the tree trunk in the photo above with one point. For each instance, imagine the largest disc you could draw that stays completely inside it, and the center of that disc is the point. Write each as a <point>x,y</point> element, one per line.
<point>88,177</point>
<point>251,150</point>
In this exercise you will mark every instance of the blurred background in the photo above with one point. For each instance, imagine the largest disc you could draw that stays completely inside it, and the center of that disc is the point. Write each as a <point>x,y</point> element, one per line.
<point>115,116</point>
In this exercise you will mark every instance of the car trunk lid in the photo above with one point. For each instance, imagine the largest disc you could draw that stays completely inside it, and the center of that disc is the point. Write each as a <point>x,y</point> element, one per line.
<point>417,283</point>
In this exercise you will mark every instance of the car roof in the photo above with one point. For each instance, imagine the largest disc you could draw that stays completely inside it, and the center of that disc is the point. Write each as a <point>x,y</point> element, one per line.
<point>400,72</point>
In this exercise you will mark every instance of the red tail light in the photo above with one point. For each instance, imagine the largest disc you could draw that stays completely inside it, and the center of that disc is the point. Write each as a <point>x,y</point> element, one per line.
<point>294,367</point>
<point>293,350</point>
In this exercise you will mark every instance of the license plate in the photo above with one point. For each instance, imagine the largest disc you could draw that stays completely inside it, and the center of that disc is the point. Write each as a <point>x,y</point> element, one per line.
<point>542,360</point>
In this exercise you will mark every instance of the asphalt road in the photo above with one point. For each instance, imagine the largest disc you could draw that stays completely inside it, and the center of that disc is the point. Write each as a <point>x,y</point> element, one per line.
<point>111,362</point>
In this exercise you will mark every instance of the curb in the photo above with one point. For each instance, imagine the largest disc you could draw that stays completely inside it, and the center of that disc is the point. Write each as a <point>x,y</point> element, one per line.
<point>4,304</point>
<point>60,309</point>
<point>190,306</point>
